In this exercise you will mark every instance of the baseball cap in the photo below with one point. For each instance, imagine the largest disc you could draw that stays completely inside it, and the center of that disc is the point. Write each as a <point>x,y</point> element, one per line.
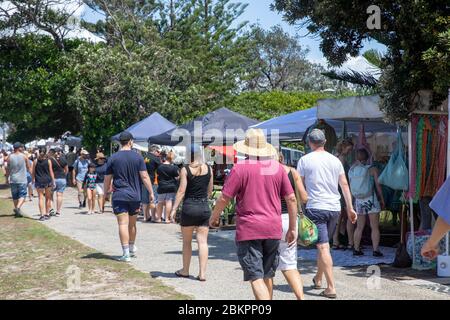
<point>17,145</point>
<point>125,136</point>
<point>316,136</point>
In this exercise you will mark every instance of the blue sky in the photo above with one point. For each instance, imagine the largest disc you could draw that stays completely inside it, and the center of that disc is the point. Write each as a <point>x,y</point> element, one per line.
<point>258,11</point>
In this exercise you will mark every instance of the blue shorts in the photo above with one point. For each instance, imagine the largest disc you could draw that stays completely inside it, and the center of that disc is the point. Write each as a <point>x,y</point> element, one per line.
<point>325,221</point>
<point>166,197</point>
<point>130,207</point>
<point>146,195</point>
<point>61,185</point>
<point>19,190</point>
<point>29,178</point>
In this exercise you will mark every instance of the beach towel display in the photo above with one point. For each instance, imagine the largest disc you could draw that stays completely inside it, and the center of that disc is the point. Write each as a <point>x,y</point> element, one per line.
<point>395,174</point>
<point>419,262</point>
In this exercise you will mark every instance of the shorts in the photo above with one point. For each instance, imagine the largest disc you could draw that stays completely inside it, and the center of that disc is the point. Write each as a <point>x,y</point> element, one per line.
<point>325,221</point>
<point>166,197</point>
<point>369,205</point>
<point>29,178</point>
<point>61,185</point>
<point>288,255</point>
<point>40,185</point>
<point>100,188</point>
<point>19,190</point>
<point>259,259</point>
<point>146,195</point>
<point>122,207</point>
<point>195,213</point>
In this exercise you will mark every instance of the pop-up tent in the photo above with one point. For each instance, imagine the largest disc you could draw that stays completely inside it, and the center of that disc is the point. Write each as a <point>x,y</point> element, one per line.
<point>352,108</point>
<point>148,127</point>
<point>291,127</point>
<point>220,127</point>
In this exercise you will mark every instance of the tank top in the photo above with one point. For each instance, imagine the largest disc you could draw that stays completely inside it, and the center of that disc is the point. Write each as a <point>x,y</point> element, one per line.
<point>197,186</point>
<point>43,172</point>
<point>284,208</point>
<point>17,168</point>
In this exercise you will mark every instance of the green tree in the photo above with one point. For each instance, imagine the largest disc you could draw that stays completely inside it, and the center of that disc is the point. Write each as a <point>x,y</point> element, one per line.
<point>409,28</point>
<point>34,88</point>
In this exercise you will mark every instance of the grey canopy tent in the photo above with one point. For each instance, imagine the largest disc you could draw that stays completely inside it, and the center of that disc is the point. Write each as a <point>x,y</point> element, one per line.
<point>220,127</point>
<point>153,125</point>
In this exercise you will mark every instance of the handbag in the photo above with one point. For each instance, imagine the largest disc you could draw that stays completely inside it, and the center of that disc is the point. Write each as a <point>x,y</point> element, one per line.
<point>307,230</point>
<point>395,175</point>
<point>402,258</point>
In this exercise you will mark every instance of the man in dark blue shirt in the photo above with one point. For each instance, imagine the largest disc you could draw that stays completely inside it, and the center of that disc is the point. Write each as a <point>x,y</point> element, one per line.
<point>128,171</point>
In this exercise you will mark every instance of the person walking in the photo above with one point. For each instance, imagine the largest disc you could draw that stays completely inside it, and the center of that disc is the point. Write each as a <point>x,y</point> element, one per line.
<point>17,166</point>
<point>101,166</point>
<point>90,185</point>
<point>71,157</point>
<point>79,172</point>
<point>196,186</point>
<point>2,161</point>
<point>127,171</point>
<point>322,173</point>
<point>167,187</point>
<point>60,170</point>
<point>343,149</point>
<point>258,183</point>
<point>152,162</point>
<point>288,254</point>
<point>44,181</point>
<point>30,177</point>
<point>365,188</point>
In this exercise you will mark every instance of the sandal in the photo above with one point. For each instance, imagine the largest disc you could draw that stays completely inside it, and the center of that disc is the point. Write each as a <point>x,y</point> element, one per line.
<point>179,275</point>
<point>200,279</point>
<point>328,295</point>
<point>316,286</point>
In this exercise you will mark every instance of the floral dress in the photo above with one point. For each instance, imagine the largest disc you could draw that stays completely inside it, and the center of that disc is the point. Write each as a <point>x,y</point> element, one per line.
<point>90,181</point>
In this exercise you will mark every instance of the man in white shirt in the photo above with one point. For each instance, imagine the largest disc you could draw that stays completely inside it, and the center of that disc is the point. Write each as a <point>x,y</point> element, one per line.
<point>322,174</point>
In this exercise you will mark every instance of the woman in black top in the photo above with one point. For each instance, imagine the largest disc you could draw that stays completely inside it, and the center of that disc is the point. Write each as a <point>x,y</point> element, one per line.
<point>196,186</point>
<point>167,187</point>
<point>44,181</point>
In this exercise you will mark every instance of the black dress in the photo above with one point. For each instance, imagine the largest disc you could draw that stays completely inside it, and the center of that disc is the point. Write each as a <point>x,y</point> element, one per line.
<point>196,211</point>
<point>43,179</point>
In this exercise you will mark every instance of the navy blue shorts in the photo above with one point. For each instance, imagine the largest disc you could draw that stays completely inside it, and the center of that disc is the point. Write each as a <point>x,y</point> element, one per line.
<point>130,207</point>
<point>325,221</point>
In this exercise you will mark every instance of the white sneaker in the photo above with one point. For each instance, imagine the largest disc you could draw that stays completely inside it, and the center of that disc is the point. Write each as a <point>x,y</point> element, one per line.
<point>124,258</point>
<point>133,253</point>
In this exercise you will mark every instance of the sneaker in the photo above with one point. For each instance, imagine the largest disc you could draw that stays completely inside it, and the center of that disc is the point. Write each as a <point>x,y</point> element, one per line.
<point>42,218</point>
<point>52,213</point>
<point>378,254</point>
<point>47,217</point>
<point>81,206</point>
<point>57,214</point>
<point>124,258</point>
<point>133,253</point>
<point>358,252</point>
<point>84,204</point>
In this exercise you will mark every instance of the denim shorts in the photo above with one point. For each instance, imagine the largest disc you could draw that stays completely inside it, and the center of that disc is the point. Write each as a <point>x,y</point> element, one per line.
<point>325,221</point>
<point>60,185</point>
<point>19,190</point>
<point>259,259</point>
<point>166,197</point>
<point>130,207</point>
<point>146,195</point>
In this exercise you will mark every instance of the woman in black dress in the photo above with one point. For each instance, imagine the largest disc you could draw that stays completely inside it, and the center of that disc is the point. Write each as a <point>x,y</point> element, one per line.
<point>44,181</point>
<point>196,186</point>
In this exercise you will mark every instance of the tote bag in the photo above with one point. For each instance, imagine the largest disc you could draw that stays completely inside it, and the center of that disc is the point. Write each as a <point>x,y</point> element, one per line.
<point>395,175</point>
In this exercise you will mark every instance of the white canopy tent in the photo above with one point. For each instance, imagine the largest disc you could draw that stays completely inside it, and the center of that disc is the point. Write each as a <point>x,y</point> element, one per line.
<point>352,108</point>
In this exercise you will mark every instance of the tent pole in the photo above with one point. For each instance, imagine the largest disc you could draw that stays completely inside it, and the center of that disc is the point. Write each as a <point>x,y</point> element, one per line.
<point>448,163</point>
<point>411,202</point>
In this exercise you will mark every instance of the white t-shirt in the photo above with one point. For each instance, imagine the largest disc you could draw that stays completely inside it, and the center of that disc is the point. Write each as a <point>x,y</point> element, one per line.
<point>321,171</point>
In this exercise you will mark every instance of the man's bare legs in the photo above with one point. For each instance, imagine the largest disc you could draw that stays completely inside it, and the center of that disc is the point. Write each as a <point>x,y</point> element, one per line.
<point>325,267</point>
<point>262,289</point>
<point>295,282</point>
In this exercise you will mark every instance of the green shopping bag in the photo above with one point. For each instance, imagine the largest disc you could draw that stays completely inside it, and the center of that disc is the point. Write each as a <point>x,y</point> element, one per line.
<point>307,231</point>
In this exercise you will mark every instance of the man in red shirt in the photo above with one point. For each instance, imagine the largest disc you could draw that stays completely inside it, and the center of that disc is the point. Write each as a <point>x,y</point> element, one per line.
<point>258,183</point>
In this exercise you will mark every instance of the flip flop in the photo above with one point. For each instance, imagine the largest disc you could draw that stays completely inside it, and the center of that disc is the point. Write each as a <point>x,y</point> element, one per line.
<point>328,295</point>
<point>178,274</point>
<point>316,286</point>
<point>199,279</point>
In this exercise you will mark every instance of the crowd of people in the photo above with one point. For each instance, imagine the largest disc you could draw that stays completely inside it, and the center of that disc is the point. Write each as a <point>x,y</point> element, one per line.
<point>268,197</point>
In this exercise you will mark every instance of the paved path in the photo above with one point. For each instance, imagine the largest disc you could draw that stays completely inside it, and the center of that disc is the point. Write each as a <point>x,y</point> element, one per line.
<point>160,255</point>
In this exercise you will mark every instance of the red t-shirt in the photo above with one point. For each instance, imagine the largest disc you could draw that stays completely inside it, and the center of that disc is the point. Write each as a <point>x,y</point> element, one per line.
<point>258,187</point>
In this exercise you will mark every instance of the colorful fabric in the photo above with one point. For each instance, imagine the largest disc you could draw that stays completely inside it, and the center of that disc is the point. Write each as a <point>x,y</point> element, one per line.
<point>90,181</point>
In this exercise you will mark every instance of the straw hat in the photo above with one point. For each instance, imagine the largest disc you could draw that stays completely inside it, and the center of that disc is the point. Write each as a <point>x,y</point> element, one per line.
<point>99,156</point>
<point>255,144</point>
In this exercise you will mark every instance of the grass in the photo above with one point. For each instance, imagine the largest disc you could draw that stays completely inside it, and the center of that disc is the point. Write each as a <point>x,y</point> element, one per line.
<point>38,263</point>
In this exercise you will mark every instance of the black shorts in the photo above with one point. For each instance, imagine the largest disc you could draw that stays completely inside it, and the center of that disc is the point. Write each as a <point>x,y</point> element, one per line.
<point>195,213</point>
<point>130,207</point>
<point>259,259</point>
